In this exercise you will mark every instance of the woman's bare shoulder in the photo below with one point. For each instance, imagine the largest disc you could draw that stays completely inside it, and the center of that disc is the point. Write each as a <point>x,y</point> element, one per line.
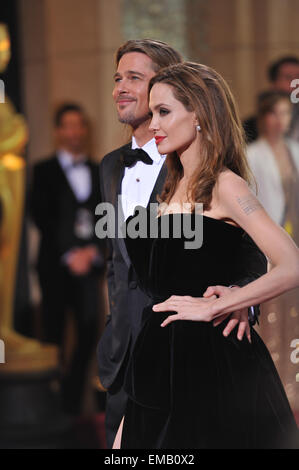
<point>231,190</point>
<point>228,183</point>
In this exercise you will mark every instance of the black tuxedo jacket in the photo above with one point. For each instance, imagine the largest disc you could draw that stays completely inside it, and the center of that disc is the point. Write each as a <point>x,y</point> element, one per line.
<point>54,208</point>
<point>125,297</point>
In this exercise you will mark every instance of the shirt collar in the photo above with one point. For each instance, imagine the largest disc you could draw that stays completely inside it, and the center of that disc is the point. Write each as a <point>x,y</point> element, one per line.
<point>66,159</point>
<point>150,148</point>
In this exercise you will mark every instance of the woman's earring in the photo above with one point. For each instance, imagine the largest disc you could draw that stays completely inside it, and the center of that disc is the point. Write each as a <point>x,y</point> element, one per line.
<point>198,128</point>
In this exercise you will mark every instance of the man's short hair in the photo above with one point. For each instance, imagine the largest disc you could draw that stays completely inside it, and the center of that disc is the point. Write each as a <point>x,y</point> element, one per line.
<point>274,68</point>
<point>161,54</point>
<point>66,108</point>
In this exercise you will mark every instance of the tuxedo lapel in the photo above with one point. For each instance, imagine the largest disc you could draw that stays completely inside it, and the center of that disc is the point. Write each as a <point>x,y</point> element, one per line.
<point>62,176</point>
<point>117,178</point>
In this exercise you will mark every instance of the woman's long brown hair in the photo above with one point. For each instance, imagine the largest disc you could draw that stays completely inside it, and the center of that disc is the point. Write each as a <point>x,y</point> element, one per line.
<point>202,90</point>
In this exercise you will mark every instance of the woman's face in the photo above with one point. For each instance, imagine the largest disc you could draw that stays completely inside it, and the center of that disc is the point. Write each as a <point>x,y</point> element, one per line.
<point>174,127</point>
<point>277,121</point>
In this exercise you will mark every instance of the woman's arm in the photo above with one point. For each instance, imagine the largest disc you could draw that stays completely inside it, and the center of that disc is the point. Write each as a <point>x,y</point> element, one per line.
<point>240,205</point>
<point>243,208</point>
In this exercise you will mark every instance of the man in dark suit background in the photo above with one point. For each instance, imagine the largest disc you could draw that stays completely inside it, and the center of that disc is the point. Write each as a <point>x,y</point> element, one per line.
<point>64,194</point>
<point>137,183</point>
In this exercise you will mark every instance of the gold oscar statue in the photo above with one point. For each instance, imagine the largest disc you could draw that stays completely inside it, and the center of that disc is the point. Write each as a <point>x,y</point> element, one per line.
<point>21,354</point>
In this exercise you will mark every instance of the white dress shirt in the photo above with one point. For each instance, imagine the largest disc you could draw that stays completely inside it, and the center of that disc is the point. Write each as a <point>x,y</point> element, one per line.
<point>78,176</point>
<point>139,180</point>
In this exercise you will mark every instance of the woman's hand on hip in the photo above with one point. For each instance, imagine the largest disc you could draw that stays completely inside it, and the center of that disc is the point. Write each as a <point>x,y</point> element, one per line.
<point>201,309</point>
<point>187,308</point>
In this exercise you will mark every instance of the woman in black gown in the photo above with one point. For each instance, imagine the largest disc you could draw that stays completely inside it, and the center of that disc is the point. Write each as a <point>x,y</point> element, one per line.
<point>189,386</point>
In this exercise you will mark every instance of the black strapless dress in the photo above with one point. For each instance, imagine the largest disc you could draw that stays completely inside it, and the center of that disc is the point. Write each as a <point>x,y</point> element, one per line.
<point>189,387</point>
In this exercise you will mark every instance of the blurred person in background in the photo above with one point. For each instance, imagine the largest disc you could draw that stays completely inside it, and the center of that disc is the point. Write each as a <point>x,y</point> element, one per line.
<point>274,160</point>
<point>281,74</point>
<point>64,194</point>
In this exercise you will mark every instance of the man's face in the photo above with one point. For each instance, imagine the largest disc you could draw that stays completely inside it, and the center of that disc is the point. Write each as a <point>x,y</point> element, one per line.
<point>130,92</point>
<point>72,132</point>
<point>286,74</point>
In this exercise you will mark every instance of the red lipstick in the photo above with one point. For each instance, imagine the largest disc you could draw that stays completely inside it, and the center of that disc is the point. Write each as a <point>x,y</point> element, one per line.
<point>159,139</point>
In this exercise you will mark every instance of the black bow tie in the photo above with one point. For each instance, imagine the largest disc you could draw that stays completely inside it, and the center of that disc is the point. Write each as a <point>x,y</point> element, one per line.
<point>131,156</point>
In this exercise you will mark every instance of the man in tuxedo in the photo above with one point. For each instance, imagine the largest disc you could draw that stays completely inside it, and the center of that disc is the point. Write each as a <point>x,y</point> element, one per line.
<point>129,172</point>
<point>64,194</point>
